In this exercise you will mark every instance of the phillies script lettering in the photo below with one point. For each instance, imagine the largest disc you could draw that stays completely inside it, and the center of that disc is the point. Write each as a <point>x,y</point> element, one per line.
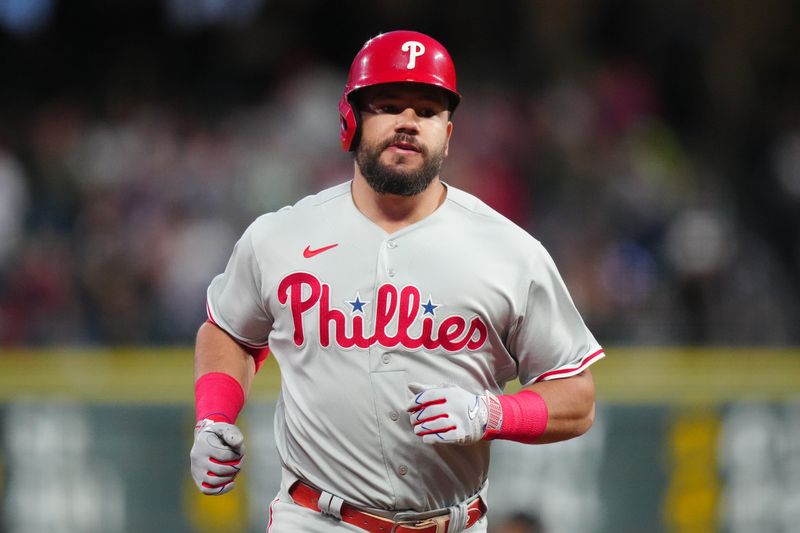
<point>304,293</point>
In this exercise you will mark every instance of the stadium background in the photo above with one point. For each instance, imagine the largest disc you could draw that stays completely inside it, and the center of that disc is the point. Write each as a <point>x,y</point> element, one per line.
<point>654,148</point>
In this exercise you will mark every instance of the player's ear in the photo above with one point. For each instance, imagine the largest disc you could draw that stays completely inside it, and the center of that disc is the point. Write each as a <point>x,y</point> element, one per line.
<point>447,141</point>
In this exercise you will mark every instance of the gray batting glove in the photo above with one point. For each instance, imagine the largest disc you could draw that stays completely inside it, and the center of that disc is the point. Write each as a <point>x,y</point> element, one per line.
<point>216,456</point>
<point>447,414</point>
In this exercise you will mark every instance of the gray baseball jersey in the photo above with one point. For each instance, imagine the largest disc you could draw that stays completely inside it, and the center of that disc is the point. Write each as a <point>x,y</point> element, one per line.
<point>352,314</point>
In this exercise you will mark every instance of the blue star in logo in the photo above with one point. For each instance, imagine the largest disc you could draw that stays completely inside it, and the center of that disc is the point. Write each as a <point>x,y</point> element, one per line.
<point>429,307</point>
<point>358,305</point>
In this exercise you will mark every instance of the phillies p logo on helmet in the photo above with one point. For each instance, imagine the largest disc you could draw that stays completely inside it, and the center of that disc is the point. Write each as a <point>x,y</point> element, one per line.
<point>415,49</point>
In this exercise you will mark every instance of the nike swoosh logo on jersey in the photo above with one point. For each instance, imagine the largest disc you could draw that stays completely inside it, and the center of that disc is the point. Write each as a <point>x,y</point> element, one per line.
<point>309,253</point>
<point>474,411</point>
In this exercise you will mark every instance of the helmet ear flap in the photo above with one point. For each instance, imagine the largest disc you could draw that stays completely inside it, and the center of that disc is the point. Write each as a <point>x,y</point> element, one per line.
<point>349,133</point>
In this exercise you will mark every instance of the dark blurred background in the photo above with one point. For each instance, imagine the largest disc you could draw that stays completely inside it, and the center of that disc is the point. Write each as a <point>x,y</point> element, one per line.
<point>653,147</point>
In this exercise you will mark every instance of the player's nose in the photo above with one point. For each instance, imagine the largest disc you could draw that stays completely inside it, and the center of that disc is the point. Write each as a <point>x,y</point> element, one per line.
<point>407,121</point>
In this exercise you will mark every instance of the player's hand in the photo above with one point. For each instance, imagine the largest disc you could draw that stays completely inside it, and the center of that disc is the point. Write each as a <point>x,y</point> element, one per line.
<point>448,414</point>
<point>216,456</point>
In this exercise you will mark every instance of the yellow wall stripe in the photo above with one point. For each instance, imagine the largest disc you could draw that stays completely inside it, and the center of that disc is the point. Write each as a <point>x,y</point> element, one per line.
<point>628,375</point>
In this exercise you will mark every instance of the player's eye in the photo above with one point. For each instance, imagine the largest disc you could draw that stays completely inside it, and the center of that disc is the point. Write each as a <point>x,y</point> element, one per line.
<point>390,109</point>
<point>384,108</point>
<point>394,108</point>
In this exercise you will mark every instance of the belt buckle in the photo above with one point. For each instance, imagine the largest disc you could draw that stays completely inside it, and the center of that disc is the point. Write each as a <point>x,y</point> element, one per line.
<point>439,521</point>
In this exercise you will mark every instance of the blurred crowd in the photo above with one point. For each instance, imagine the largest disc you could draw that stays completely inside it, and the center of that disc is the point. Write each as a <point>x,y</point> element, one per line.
<point>671,205</point>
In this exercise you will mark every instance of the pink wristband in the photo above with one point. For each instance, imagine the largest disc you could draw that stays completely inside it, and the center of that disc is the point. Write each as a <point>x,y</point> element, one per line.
<point>219,397</point>
<point>523,419</point>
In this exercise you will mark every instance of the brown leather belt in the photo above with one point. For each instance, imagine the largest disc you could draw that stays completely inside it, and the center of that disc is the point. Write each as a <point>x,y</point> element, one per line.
<point>308,497</point>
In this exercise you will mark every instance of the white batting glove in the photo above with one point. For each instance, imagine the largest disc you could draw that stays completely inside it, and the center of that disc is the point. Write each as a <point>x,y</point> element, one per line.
<point>216,456</point>
<point>447,414</point>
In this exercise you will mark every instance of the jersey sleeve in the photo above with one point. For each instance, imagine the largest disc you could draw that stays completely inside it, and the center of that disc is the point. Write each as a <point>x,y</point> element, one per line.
<point>550,340</point>
<point>234,298</point>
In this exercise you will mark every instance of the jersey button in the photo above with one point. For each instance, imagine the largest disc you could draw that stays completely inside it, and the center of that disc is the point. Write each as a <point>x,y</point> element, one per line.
<point>386,359</point>
<point>394,416</point>
<point>402,470</point>
<point>391,245</point>
<point>392,272</point>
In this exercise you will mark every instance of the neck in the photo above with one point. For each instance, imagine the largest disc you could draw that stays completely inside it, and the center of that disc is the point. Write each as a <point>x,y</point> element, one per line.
<point>392,212</point>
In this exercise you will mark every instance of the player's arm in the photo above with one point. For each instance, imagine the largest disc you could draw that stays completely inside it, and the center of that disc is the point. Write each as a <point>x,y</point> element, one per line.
<point>224,365</point>
<point>223,371</point>
<point>547,411</point>
<point>566,409</point>
<point>216,351</point>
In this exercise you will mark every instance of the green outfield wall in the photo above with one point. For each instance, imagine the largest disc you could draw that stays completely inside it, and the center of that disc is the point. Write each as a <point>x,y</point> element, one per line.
<point>686,441</point>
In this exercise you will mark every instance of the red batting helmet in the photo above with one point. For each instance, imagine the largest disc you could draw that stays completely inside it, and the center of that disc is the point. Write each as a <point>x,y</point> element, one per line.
<point>397,56</point>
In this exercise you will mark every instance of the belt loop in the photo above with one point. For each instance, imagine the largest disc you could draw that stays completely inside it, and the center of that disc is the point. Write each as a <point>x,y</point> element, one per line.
<point>330,505</point>
<point>458,518</point>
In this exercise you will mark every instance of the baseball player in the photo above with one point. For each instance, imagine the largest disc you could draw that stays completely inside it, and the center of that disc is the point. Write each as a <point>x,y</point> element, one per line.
<point>397,308</point>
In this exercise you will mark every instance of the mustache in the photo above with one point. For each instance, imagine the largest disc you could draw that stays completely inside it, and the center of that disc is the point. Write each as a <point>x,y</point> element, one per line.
<point>404,138</point>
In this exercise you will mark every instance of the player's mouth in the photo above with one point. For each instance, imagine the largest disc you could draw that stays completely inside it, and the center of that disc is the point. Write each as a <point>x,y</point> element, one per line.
<point>405,147</point>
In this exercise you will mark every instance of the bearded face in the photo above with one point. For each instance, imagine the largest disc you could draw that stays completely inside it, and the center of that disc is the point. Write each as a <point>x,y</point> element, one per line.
<point>390,172</point>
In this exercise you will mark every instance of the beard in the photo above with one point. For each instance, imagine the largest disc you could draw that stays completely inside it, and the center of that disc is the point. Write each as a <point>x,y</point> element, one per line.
<point>385,179</point>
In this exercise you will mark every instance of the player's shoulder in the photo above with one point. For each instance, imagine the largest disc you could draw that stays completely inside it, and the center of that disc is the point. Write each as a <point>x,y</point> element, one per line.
<point>324,198</point>
<point>499,236</point>
<point>300,210</point>
<point>476,211</point>
<point>472,205</point>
